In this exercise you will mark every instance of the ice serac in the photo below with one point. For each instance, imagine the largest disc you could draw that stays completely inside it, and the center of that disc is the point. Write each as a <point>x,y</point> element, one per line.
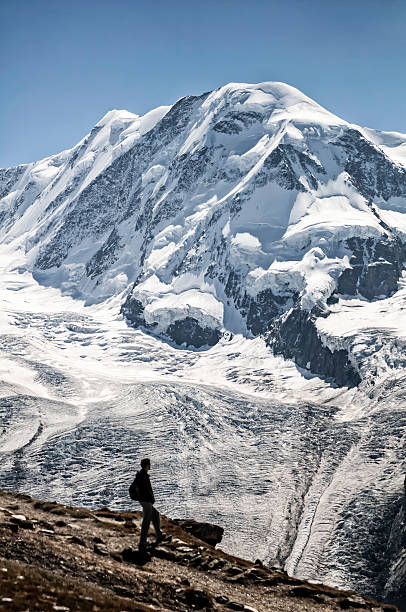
<point>249,209</point>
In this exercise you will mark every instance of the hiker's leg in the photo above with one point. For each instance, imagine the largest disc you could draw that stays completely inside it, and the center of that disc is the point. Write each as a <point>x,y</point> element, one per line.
<point>156,521</point>
<point>146,520</point>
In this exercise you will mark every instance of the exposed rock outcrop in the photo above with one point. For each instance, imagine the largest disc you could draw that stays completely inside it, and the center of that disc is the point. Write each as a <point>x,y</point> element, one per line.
<point>295,336</point>
<point>376,266</point>
<point>189,331</point>
<point>212,534</point>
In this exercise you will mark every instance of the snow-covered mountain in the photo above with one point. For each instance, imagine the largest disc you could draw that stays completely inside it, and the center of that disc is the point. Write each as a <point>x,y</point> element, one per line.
<point>255,222</point>
<point>248,210</point>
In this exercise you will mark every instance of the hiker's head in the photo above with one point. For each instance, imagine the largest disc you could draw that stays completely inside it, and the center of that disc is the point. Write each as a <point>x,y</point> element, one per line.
<point>146,464</point>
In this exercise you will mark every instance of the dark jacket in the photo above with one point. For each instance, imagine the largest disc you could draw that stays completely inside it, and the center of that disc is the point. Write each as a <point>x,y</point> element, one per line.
<point>143,487</point>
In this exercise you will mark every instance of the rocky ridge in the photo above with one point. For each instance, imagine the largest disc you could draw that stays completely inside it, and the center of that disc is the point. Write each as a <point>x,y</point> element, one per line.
<point>55,557</point>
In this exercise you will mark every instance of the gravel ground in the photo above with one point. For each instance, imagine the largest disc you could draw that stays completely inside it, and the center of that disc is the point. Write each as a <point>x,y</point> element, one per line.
<point>54,557</point>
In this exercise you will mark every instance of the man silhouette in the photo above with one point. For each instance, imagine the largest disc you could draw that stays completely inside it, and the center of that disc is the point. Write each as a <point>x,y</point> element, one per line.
<point>146,498</point>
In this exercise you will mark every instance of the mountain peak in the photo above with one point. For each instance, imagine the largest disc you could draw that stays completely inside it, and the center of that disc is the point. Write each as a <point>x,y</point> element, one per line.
<point>274,97</point>
<point>116,115</point>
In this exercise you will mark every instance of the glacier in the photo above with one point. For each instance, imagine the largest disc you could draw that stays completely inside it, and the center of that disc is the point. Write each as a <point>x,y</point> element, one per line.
<point>220,284</point>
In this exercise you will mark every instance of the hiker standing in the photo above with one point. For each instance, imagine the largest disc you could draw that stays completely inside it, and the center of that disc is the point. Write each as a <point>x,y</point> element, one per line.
<point>145,495</point>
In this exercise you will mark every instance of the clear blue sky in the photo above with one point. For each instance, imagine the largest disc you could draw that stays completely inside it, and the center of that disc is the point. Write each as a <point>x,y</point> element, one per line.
<point>65,63</point>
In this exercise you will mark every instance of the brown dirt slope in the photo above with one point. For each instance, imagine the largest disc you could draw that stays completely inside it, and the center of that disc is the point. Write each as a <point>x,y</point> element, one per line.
<point>54,557</point>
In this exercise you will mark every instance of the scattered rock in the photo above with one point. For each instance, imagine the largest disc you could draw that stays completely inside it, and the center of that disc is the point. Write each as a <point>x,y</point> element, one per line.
<point>280,579</point>
<point>196,561</point>
<point>197,599</point>
<point>305,592</point>
<point>46,507</point>
<point>73,526</point>
<point>21,521</point>
<point>216,564</point>
<point>163,552</point>
<point>222,599</point>
<point>353,602</point>
<point>75,540</point>
<point>185,549</point>
<point>130,555</point>
<point>177,541</point>
<point>19,517</point>
<point>110,514</point>
<point>233,605</point>
<point>258,572</point>
<point>233,570</point>
<point>60,523</point>
<point>240,578</point>
<point>46,525</point>
<point>81,514</point>
<point>101,549</point>
<point>152,585</point>
<point>123,592</point>
<point>58,511</point>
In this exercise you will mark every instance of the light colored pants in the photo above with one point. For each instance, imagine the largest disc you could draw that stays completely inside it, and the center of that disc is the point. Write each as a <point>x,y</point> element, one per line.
<point>149,513</point>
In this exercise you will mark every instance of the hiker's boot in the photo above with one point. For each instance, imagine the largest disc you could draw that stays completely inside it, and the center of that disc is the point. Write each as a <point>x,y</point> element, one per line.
<point>159,538</point>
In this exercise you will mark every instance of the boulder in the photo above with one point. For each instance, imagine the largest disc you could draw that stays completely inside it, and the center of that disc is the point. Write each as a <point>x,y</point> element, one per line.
<point>212,534</point>
<point>21,521</point>
<point>197,599</point>
<point>135,556</point>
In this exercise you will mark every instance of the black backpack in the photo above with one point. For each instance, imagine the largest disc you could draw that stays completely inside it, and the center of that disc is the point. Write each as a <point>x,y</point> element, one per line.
<point>133,490</point>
